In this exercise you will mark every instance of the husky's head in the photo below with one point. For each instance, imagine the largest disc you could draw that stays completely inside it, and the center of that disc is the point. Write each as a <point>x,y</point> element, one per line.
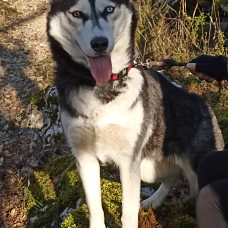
<point>98,34</point>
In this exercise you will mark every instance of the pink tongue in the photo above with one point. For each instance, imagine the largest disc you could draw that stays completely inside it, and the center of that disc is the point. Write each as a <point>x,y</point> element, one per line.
<point>101,68</point>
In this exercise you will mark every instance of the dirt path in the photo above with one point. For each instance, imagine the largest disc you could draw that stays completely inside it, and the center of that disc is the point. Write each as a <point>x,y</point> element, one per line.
<point>24,53</point>
<point>25,68</point>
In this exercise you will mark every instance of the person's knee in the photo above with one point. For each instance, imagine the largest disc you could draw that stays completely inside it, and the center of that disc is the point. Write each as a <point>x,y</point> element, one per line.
<point>206,208</point>
<point>212,205</point>
<point>206,198</point>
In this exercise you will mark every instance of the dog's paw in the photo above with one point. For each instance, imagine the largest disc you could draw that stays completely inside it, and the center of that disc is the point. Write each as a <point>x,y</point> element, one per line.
<point>145,204</point>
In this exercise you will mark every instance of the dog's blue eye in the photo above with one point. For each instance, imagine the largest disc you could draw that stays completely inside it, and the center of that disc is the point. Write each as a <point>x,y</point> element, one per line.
<point>110,9</point>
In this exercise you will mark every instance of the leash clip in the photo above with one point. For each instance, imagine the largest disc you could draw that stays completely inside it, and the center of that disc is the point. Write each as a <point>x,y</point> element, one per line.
<point>147,64</point>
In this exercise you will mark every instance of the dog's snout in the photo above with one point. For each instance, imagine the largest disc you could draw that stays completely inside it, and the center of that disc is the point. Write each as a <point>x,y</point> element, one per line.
<point>99,44</point>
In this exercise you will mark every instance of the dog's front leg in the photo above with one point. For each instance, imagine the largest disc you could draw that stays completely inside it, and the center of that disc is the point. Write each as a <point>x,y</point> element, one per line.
<point>89,169</point>
<point>81,140</point>
<point>130,179</point>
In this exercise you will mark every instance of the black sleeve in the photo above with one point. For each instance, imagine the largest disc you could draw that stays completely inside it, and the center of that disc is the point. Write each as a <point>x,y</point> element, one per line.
<point>213,66</point>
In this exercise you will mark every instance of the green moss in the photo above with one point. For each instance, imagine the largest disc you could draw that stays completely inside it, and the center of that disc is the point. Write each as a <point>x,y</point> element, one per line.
<point>46,185</point>
<point>222,117</point>
<point>223,101</point>
<point>44,191</point>
<point>30,200</point>
<point>177,215</point>
<point>71,188</point>
<point>111,195</point>
<point>11,125</point>
<point>59,186</point>
<point>78,216</point>
<point>40,192</point>
<point>69,222</point>
<point>183,221</point>
<point>58,165</point>
<point>54,115</point>
<point>38,101</point>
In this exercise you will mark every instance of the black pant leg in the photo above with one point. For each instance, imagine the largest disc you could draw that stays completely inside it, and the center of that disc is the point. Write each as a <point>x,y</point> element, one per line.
<point>212,205</point>
<point>212,168</point>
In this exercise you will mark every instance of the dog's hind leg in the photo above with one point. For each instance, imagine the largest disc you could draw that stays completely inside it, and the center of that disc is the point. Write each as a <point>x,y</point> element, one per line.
<point>130,180</point>
<point>161,194</point>
<point>193,181</point>
<point>165,172</point>
<point>192,178</point>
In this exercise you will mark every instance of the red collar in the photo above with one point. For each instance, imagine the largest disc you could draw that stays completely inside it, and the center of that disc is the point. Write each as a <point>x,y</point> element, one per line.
<point>122,74</point>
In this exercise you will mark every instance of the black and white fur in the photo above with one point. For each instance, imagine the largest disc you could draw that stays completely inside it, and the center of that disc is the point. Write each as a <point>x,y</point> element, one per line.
<point>149,128</point>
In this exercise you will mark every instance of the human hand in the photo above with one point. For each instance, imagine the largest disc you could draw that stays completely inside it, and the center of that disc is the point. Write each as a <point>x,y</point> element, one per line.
<point>192,68</point>
<point>209,68</point>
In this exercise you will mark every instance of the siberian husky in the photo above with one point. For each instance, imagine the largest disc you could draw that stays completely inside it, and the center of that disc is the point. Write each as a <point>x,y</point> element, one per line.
<point>112,111</point>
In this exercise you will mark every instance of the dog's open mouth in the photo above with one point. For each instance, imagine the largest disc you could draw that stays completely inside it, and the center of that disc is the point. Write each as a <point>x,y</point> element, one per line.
<point>101,68</point>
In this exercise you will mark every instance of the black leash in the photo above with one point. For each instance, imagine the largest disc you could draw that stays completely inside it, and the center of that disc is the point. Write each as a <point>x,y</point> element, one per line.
<point>164,65</point>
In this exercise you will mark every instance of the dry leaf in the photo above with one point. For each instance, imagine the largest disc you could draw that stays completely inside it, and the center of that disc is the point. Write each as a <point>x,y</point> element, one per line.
<point>12,212</point>
<point>55,180</point>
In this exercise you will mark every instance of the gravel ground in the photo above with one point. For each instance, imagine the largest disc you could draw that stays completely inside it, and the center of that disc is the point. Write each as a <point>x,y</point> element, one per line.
<point>26,67</point>
<point>25,62</point>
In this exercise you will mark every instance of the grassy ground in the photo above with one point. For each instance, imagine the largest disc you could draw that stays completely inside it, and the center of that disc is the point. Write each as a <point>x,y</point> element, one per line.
<point>58,188</point>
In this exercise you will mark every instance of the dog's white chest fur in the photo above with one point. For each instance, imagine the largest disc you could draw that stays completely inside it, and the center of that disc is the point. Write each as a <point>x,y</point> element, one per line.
<point>110,130</point>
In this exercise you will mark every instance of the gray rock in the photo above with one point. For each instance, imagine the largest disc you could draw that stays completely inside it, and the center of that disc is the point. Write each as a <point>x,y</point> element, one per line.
<point>1,148</point>
<point>65,213</point>
<point>78,203</point>
<point>33,162</point>
<point>39,122</point>
<point>32,219</point>
<point>3,121</point>
<point>43,209</point>
<point>7,154</point>
<point>1,160</point>
<point>32,118</point>
<point>6,127</point>
<point>3,29</point>
<point>147,191</point>
<point>27,170</point>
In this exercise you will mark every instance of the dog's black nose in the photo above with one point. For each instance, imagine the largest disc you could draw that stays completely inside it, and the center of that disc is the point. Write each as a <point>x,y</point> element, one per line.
<point>99,44</point>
